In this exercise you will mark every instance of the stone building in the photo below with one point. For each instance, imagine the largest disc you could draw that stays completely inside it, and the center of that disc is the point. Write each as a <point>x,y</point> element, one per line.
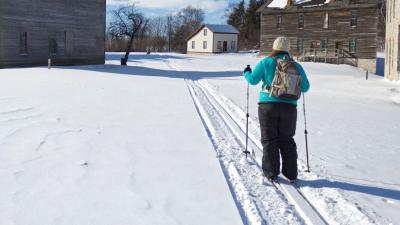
<point>334,31</point>
<point>392,63</point>
<point>69,32</point>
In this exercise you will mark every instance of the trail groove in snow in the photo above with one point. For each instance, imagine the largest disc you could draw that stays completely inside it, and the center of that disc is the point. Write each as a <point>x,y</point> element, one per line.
<point>259,203</point>
<point>322,199</point>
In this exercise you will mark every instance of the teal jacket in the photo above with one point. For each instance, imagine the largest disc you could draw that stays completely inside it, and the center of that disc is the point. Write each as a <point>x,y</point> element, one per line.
<point>265,72</point>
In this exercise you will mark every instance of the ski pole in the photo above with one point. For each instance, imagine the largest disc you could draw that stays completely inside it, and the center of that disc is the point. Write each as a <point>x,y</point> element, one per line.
<point>306,132</point>
<point>247,121</point>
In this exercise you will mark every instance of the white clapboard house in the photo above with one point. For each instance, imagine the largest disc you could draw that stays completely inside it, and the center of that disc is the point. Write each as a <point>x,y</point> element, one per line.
<point>211,38</point>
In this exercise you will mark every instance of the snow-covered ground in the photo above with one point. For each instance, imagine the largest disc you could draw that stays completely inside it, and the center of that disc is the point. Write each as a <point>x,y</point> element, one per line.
<point>90,145</point>
<point>353,124</point>
<point>149,144</point>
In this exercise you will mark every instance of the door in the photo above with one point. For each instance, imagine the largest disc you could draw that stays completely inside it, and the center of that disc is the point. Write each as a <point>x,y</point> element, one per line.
<point>225,49</point>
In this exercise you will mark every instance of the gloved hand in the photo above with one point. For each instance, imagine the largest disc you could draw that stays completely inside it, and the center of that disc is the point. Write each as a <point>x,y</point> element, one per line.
<point>248,69</point>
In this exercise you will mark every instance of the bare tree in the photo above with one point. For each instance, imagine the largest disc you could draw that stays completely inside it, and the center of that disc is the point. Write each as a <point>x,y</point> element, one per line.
<point>187,21</point>
<point>158,31</point>
<point>127,23</point>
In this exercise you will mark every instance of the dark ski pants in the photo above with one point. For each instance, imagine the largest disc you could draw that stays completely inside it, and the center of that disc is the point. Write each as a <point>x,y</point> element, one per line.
<point>278,127</point>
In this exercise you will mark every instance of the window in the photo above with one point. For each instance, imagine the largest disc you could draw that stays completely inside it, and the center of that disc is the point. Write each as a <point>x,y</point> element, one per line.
<point>301,21</point>
<point>219,45</point>
<point>324,43</point>
<point>53,46</point>
<point>326,21</point>
<point>233,45</point>
<point>279,22</point>
<point>353,21</point>
<point>353,45</point>
<point>300,45</point>
<point>23,43</point>
<point>204,44</point>
<point>193,44</point>
<point>205,32</point>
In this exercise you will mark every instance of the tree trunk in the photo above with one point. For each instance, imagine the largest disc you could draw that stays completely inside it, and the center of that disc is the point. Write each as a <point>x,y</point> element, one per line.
<point>124,60</point>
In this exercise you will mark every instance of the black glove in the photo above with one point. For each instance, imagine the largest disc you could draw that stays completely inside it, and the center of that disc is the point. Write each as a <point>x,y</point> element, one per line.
<point>248,69</point>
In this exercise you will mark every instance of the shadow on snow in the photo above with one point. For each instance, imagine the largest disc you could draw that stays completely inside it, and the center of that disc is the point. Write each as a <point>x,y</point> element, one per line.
<point>377,191</point>
<point>153,72</point>
<point>116,56</point>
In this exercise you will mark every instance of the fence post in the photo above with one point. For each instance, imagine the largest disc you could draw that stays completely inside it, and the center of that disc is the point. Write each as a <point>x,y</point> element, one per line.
<point>49,63</point>
<point>315,54</point>
<point>338,55</point>
<point>326,55</point>
<point>366,75</point>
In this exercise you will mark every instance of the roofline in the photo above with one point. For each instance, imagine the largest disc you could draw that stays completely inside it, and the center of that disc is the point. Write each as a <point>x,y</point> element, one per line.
<point>225,33</point>
<point>327,6</point>
<point>196,32</point>
<point>323,8</point>
<point>259,10</point>
<point>205,25</point>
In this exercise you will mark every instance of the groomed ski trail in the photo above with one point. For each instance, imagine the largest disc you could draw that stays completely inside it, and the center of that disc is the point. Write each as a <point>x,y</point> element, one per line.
<point>330,203</point>
<point>307,212</point>
<point>259,202</point>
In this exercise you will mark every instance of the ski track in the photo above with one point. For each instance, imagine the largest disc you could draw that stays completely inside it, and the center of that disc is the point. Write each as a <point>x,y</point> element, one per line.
<point>253,200</point>
<point>257,202</point>
<point>328,201</point>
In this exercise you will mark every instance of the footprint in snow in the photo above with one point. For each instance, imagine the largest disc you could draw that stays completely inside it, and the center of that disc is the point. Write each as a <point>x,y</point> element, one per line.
<point>144,204</point>
<point>388,201</point>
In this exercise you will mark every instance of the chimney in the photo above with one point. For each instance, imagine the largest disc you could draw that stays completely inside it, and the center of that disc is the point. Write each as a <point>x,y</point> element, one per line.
<point>289,3</point>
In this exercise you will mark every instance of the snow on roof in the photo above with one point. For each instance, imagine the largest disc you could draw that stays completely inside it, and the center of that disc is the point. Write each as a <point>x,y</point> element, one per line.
<point>217,28</point>
<point>282,3</point>
<point>278,4</point>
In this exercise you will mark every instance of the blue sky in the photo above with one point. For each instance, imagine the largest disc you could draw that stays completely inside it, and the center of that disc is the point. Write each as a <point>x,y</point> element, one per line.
<point>214,8</point>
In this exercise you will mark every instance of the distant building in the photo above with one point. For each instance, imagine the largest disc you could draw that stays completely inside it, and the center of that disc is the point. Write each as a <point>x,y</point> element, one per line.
<point>392,63</point>
<point>69,32</point>
<point>333,31</point>
<point>211,38</point>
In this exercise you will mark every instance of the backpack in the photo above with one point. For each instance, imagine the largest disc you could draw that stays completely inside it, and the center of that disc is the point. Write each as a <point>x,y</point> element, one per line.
<point>287,80</point>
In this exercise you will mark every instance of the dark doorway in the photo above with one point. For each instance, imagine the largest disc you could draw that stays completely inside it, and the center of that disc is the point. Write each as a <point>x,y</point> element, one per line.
<point>225,49</point>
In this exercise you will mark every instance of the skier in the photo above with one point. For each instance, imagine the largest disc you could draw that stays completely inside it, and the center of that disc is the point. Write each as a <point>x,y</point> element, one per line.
<point>277,115</point>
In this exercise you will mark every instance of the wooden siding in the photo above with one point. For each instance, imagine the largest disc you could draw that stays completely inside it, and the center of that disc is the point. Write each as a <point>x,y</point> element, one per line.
<point>82,21</point>
<point>339,30</point>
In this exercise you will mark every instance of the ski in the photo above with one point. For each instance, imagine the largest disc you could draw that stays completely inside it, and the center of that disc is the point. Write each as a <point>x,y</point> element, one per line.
<point>273,182</point>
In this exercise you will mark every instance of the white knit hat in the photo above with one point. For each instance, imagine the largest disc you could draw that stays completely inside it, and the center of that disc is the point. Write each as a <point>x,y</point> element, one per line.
<point>281,44</point>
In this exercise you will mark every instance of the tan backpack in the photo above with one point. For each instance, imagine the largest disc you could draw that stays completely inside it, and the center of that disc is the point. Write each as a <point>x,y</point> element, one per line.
<point>287,80</point>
